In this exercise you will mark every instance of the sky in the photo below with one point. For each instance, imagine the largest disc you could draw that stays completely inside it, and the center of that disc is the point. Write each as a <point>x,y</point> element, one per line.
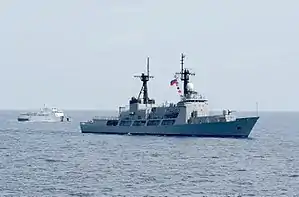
<point>76,54</point>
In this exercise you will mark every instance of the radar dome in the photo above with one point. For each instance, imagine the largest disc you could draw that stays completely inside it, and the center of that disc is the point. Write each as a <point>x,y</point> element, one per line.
<point>190,86</point>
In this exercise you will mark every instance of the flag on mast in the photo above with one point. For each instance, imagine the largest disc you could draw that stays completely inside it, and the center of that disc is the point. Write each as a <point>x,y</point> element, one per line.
<point>173,82</point>
<point>176,83</point>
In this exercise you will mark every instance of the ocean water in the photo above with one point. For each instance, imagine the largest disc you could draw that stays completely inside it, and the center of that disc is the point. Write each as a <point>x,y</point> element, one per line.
<point>55,159</point>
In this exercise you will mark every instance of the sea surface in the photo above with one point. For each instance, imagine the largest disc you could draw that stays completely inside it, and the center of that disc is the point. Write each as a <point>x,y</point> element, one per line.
<point>55,159</point>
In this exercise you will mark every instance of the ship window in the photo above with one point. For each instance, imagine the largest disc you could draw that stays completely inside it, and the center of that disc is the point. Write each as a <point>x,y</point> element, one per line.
<point>171,115</point>
<point>125,123</point>
<point>139,123</point>
<point>153,122</point>
<point>167,122</point>
<point>112,122</point>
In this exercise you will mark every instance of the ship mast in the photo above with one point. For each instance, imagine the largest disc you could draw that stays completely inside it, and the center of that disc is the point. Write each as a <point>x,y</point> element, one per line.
<point>185,75</point>
<point>145,78</point>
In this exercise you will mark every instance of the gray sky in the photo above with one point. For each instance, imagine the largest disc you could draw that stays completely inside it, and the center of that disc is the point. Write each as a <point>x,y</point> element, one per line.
<point>77,54</point>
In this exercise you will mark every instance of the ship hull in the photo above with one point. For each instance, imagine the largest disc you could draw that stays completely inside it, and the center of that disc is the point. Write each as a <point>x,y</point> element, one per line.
<point>240,128</point>
<point>23,119</point>
<point>39,119</point>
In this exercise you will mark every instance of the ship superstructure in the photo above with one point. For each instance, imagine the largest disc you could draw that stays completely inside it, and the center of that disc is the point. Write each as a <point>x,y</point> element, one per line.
<point>45,114</point>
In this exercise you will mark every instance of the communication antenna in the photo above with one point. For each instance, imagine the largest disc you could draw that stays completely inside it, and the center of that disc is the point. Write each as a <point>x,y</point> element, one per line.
<point>185,75</point>
<point>147,66</point>
<point>145,78</point>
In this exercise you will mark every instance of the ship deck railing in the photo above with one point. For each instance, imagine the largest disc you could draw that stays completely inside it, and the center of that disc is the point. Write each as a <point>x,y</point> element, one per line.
<point>106,118</point>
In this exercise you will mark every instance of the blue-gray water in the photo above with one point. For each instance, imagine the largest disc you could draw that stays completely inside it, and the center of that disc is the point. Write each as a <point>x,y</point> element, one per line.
<point>55,159</point>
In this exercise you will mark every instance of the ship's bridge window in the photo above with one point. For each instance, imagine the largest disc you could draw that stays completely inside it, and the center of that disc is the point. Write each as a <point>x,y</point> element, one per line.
<point>154,109</point>
<point>112,122</point>
<point>171,115</point>
<point>139,123</point>
<point>168,122</point>
<point>125,123</point>
<point>195,101</point>
<point>153,122</point>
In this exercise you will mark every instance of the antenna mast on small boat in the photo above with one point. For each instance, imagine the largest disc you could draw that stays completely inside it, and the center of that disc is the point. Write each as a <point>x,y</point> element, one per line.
<point>145,78</point>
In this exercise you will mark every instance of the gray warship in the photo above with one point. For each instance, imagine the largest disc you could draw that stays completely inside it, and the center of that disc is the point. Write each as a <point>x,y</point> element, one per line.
<point>190,116</point>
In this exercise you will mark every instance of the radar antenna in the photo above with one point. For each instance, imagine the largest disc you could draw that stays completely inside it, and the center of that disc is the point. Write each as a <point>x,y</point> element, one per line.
<point>185,75</point>
<point>145,78</point>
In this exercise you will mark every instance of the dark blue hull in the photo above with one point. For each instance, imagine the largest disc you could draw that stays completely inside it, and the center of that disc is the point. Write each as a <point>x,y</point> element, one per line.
<point>23,119</point>
<point>241,128</point>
